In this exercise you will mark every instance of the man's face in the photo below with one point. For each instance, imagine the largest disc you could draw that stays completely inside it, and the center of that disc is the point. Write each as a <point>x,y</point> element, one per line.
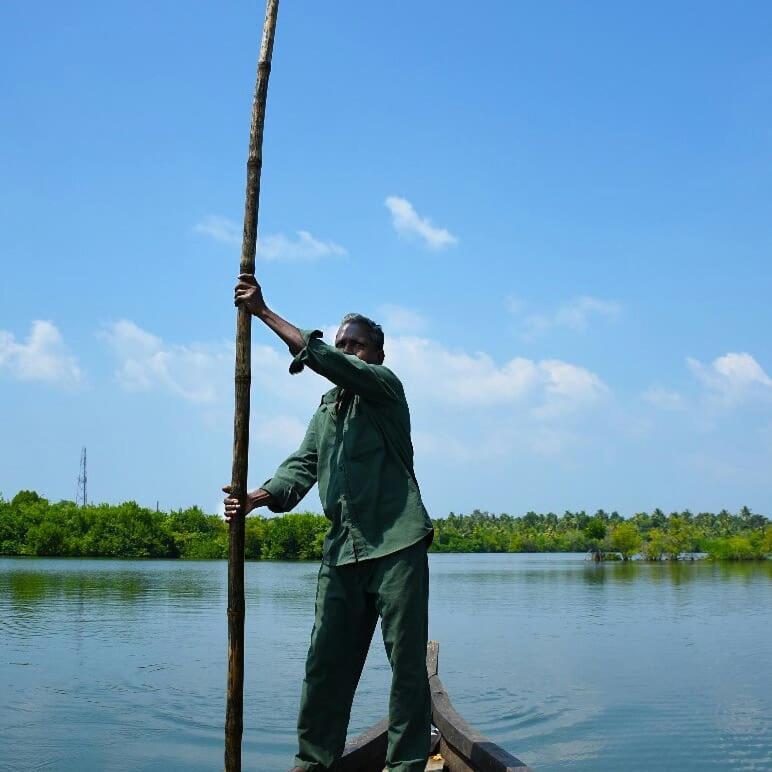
<point>354,338</point>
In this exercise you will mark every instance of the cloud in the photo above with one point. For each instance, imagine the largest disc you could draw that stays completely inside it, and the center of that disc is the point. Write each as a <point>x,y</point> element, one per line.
<point>304,247</point>
<point>42,357</point>
<point>443,445</point>
<point>475,412</point>
<point>574,315</point>
<point>195,372</point>
<point>666,399</point>
<point>547,387</point>
<point>409,224</point>
<point>220,229</point>
<point>199,373</point>
<point>275,246</point>
<point>397,319</point>
<point>567,387</point>
<point>732,377</point>
<point>281,431</point>
<point>465,405</point>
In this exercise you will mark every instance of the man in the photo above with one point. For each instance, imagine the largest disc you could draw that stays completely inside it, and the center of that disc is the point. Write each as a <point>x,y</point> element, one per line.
<point>358,448</point>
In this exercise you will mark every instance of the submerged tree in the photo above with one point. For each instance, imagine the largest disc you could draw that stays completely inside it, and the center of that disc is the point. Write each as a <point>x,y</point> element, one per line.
<point>595,531</point>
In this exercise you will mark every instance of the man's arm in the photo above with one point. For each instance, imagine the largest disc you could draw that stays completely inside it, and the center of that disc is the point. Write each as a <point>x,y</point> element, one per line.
<point>372,381</point>
<point>249,294</point>
<point>293,479</point>
<point>295,476</point>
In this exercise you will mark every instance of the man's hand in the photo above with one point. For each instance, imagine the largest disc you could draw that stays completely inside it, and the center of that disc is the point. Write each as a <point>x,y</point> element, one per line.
<point>235,508</point>
<point>249,294</point>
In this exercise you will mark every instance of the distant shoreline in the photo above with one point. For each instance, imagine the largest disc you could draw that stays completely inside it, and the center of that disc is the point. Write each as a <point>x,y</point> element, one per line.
<point>31,526</point>
<point>633,561</point>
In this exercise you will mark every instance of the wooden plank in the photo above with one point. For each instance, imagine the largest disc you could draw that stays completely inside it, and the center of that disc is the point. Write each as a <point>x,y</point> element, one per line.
<point>433,658</point>
<point>471,746</point>
<point>452,761</point>
<point>456,762</point>
<point>435,764</point>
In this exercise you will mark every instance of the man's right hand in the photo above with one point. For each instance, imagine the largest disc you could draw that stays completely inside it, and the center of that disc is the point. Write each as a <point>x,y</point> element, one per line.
<point>249,293</point>
<point>236,508</point>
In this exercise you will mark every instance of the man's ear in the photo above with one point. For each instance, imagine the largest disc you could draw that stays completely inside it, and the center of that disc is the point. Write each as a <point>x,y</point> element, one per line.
<point>381,357</point>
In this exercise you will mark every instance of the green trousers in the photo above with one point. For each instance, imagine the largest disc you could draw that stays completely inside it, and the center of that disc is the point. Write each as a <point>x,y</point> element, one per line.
<point>349,600</point>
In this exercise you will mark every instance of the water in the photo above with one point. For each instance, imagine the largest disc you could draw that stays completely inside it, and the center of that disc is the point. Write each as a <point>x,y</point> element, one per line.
<point>111,665</point>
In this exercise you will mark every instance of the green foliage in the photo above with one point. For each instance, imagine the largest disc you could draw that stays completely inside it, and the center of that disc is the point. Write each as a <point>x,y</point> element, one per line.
<point>751,545</point>
<point>31,525</point>
<point>653,536</point>
<point>680,536</point>
<point>766,541</point>
<point>625,539</point>
<point>595,530</point>
<point>293,537</point>
<point>198,536</point>
<point>655,545</point>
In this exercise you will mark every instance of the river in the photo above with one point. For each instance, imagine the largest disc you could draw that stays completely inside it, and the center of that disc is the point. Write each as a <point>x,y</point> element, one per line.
<point>120,665</point>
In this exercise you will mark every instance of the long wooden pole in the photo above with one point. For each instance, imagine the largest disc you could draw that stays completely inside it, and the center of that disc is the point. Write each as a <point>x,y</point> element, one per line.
<point>235,698</point>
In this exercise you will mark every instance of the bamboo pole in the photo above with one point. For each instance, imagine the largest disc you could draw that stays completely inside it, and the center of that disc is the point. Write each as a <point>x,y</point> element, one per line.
<point>242,380</point>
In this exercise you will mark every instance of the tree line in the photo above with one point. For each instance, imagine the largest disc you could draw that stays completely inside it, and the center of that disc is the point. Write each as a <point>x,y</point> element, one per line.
<point>31,525</point>
<point>653,536</point>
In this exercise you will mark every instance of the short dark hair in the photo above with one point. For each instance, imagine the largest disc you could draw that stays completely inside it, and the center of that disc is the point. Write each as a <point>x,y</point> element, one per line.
<point>374,329</point>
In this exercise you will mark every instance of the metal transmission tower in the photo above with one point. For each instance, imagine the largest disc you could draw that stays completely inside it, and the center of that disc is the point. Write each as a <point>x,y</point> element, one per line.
<point>81,495</point>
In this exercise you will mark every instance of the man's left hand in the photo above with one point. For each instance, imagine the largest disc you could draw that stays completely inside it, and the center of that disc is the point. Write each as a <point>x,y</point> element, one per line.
<point>234,507</point>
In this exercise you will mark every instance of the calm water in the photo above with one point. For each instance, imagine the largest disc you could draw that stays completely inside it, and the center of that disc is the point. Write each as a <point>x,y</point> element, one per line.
<point>110,665</point>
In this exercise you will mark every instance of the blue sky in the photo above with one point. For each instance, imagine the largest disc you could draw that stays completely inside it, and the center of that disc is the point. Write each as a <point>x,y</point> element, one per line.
<point>559,211</point>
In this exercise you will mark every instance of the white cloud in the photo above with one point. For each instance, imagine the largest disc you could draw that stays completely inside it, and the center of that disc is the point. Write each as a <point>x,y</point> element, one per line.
<point>220,229</point>
<point>42,357</point>
<point>274,246</point>
<point>408,223</point>
<point>666,399</point>
<point>200,373</point>
<point>443,445</point>
<point>549,387</point>
<point>732,377</point>
<point>304,247</point>
<point>567,387</point>
<point>551,440</point>
<point>574,315</point>
<point>465,405</point>
<point>398,319</point>
<point>195,372</point>
<point>281,431</point>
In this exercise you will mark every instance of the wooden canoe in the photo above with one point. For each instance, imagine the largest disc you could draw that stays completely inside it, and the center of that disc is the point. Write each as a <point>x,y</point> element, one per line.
<point>456,746</point>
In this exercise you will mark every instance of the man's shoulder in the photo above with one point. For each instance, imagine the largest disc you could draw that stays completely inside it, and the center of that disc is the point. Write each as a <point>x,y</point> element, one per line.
<point>388,374</point>
<point>393,385</point>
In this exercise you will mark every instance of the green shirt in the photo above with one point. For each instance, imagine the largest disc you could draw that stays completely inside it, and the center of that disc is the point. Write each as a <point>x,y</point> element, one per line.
<point>361,455</point>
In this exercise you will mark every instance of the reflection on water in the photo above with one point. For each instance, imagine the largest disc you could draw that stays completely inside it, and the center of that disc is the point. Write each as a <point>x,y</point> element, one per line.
<point>569,664</point>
